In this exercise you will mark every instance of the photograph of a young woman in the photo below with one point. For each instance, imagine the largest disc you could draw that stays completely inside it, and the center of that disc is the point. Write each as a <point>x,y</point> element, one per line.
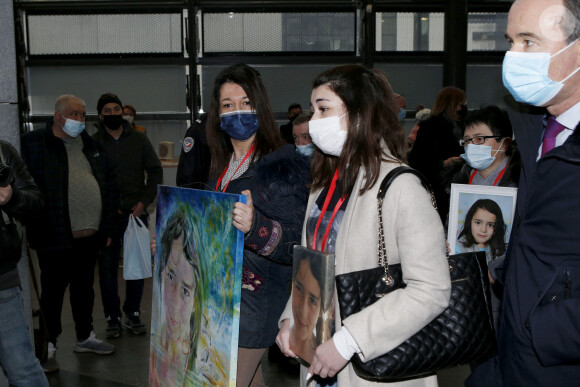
<point>306,301</point>
<point>311,318</point>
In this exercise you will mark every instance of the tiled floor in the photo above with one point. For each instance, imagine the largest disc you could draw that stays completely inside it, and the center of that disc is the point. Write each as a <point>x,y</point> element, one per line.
<point>128,366</point>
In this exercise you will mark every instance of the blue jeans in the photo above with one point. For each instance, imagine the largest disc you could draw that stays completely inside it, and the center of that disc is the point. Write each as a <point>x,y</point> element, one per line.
<point>16,353</point>
<point>108,268</point>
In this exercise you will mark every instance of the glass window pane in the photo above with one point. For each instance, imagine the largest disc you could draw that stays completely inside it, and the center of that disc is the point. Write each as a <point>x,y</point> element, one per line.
<point>104,34</point>
<point>278,32</point>
<point>409,31</point>
<point>485,32</point>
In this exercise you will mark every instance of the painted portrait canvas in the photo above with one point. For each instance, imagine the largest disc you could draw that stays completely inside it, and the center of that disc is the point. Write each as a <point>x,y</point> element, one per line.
<point>480,218</point>
<point>196,289</point>
<point>312,320</point>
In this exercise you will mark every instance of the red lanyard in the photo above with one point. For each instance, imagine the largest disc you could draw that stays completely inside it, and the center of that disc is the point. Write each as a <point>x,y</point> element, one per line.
<point>497,179</point>
<point>331,190</point>
<point>217,187</point>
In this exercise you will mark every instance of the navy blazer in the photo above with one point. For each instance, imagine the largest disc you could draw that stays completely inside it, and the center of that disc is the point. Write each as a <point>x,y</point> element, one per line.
<point>539,333</point>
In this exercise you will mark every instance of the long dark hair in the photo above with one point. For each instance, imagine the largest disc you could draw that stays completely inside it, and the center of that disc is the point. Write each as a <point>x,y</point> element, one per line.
<point>497,241</point>
<point>372,121</point>
<point>268,136</point>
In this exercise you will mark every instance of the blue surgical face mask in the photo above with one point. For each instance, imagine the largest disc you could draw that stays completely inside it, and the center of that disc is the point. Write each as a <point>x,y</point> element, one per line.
<point>479,156</point>
<point>306,150</point>
<point>525,75</point>
<point>402,114</point>
<point>240,124</point>
<point>73,128</point>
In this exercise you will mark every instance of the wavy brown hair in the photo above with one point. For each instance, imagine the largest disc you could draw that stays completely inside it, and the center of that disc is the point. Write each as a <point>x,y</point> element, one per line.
<point>268,137</point>
<point>446,102</point>
<point>372,122</point>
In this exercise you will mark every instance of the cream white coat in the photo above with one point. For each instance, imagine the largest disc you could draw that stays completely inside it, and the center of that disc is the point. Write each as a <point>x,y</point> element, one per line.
<point>415,238</point>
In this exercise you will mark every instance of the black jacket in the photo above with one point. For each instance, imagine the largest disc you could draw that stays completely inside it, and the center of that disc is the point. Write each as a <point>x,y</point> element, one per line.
<point>286,132</point>
<point>132,155</point>
<point>195,158</point>
<point>435,143</point>
<point>279,185</point>
<point>25,201</point>
<point>46,157</point>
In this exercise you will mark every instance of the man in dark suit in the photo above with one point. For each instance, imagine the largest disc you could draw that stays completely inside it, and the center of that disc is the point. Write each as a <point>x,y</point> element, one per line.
<point>539,330</point>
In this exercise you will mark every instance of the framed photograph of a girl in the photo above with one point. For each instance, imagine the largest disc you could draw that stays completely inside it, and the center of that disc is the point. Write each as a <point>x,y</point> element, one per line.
<point>480,219</point>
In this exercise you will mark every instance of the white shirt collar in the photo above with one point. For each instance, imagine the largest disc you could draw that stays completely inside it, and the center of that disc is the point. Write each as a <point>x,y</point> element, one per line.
<point>570,117</point>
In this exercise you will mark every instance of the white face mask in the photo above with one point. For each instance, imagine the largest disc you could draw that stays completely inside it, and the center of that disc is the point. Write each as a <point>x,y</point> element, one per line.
<point>327,135</point>
<point>129,119</point>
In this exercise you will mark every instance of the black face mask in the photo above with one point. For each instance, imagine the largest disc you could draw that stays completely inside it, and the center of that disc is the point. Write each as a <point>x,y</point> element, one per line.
<point>113,121</point>
<point>462,113</point>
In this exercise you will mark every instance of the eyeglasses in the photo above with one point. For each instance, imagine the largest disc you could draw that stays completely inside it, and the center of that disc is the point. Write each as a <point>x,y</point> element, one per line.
<point>477,140</point>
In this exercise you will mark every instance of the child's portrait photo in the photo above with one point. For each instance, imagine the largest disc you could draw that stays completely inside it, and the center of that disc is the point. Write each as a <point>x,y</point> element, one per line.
<point>480,219</point>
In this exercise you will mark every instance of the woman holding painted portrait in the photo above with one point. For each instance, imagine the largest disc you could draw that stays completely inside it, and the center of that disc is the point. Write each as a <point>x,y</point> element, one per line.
<point>248,157</point>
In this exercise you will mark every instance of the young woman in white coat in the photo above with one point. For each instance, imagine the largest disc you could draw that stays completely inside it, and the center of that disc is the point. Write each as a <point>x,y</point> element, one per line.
<point>359,140</point>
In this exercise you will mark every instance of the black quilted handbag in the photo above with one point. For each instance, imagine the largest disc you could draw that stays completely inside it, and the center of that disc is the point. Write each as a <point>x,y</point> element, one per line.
<point>462,334</point>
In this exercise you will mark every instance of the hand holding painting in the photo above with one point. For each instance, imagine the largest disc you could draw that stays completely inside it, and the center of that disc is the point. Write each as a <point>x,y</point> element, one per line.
<point>243,214</point>
<point>327,360</point>
<point>283,339</point>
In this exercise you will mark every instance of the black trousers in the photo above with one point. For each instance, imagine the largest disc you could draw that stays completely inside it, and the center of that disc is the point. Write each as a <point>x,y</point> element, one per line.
<point>108,268</point>
<point>73,266</point>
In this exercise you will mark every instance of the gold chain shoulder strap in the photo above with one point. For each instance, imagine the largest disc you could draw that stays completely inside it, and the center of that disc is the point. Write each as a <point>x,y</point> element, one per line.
<point>385,184</point>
